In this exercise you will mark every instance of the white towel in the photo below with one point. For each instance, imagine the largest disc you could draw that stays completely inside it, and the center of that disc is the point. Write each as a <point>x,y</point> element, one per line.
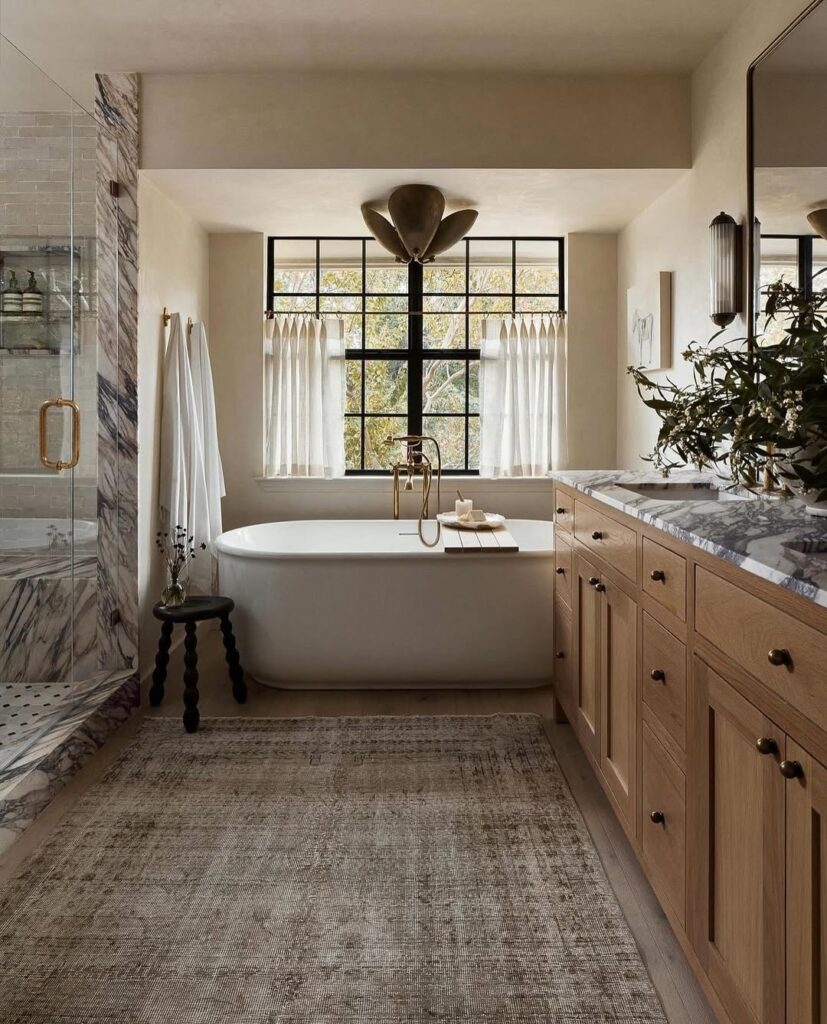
<point>183,489</point>
<point>202,383</point>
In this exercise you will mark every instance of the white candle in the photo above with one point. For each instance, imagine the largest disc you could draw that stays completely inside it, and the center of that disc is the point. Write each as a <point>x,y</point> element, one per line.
<point>463,507</point>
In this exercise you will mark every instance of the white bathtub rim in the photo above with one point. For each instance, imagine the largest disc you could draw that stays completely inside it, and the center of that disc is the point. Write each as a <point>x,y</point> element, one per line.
<point>228,544</point>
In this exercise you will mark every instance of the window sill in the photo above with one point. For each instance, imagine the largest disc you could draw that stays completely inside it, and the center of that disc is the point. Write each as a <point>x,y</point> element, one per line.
<point>382,485</point>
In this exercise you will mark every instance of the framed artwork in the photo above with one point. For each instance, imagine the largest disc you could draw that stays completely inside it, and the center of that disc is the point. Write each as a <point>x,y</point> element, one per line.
<point>649,323</point>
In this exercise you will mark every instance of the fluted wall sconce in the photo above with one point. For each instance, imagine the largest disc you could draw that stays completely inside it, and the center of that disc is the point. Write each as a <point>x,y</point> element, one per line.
<point>726,270</point>
<point>418,231</point>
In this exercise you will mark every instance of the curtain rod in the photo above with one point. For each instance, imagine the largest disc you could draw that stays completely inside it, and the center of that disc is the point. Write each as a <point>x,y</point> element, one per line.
<point>270,314</point>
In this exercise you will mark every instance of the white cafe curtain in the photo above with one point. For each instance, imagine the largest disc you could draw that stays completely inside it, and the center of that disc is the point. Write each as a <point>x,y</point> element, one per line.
<point>304,396</point>
<point>523,395</point>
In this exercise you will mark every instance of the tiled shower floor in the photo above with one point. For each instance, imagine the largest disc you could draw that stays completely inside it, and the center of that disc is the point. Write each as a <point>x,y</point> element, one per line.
<point>36,717</point>
<point>24,709</point>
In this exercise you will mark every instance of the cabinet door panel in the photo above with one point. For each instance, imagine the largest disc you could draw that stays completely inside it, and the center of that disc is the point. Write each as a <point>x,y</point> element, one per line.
<point>806,891</point>
<point>736,854</point>
<point>587,629</point>
<point>563,660</point>
<point>618,698</point>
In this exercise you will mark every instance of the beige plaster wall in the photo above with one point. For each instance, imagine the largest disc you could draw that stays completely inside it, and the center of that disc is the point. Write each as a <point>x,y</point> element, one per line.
<point>672,234</point>
<point>173,272</point>
<point>403,120</point>
<point>237,270</point>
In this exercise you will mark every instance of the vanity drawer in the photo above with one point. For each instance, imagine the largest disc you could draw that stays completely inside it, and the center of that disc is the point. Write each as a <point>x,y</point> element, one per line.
<point>664,678</point>
<point>564,660</point>
<point>563,511</point>
<point>664,822</point>
<point>785,654</point>
<point>664,577</point>
<point>614,543</point>
<point>562,570</point>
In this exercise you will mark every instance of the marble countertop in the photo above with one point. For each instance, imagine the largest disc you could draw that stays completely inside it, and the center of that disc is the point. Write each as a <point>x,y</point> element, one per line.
<point>754,533</point>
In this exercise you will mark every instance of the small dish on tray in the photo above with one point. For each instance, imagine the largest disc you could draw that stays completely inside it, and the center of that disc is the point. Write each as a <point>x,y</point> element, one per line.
<point>492,521</point>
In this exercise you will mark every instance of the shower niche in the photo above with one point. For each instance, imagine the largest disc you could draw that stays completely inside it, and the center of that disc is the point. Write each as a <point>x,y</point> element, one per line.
<point>47,293</point>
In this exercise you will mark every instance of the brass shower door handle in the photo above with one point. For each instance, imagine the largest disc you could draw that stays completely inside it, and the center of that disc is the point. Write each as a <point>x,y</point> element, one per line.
<point>60,403</point>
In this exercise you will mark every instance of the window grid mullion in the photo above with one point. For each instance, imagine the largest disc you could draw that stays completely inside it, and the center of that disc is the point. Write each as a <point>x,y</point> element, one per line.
<point>416,354</point>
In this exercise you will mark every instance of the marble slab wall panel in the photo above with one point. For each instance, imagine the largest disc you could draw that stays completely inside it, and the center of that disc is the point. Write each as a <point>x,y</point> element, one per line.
<point>47,629</point>
<point>116,111</point>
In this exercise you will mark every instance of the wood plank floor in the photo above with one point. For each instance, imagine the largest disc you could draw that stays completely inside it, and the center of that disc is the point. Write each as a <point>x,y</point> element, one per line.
<point>683,1001</point>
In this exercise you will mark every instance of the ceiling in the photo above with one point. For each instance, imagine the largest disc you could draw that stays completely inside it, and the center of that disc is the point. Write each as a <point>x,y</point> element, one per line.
<point>785,195</point>
<point>326,202</point>
<point>72,39</point>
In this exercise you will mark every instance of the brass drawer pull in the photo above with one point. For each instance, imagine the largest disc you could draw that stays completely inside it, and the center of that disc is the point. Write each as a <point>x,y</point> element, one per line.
<point>766,745</point>
<point>658,575</point>
<point>791,769</point>
<point>657,818</point>
<point>779,656</point>
<point>60,403</point>
<point>658,675</point>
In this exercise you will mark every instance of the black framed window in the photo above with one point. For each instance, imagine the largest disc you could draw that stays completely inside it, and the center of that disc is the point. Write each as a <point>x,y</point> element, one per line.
<point>413,333</point>
<point>800,260</point>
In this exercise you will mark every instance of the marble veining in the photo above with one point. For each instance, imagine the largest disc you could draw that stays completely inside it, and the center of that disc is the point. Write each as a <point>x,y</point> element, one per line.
<point>755,534</point>
<point>116,111</point>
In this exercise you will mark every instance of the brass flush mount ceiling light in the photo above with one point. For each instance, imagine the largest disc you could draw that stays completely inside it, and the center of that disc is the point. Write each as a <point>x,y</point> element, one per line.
<point>418,231</point>
<point>818,221</point>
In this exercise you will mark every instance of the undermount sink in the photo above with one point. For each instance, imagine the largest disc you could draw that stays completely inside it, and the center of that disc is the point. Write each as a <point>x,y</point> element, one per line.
<point>807,546</point>
<point>685,492</point>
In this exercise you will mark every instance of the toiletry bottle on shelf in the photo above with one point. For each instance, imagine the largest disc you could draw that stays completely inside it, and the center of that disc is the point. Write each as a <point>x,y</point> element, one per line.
<point>12,296</point>
<point>81,302</point>
<point>32,296</point>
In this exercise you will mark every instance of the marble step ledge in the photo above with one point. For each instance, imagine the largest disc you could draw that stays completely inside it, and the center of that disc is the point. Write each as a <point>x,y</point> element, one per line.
<point>29,783</point>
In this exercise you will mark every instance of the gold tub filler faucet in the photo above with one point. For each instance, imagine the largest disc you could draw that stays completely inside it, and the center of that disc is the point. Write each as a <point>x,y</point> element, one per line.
<point>416,463</point>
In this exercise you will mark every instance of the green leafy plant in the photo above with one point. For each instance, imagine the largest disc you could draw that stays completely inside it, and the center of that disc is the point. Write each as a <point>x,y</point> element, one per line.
<point>755,413</point>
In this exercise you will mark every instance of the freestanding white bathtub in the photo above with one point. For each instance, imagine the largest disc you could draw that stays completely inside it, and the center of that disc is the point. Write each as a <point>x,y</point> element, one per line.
<point>362,603</point>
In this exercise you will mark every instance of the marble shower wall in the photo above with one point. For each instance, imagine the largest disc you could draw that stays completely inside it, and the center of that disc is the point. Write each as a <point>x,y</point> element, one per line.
<point>116,112</point>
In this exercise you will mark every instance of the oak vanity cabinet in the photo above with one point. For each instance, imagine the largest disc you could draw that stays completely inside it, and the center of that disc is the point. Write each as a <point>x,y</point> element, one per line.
<point>699,694</point>
<point>736,849</point>
<point>757,860</point>
<point>606,681</point>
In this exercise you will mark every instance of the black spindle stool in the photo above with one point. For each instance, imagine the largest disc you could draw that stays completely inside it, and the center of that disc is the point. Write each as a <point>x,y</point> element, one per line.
<point>190,613</point>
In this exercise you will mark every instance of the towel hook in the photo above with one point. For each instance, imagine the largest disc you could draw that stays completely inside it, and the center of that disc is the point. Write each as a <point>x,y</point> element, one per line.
<point>190,325</point>
<point>167,316</point>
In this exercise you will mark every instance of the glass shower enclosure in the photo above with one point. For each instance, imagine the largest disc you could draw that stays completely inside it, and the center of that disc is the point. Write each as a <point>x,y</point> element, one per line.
<point>49,661</point>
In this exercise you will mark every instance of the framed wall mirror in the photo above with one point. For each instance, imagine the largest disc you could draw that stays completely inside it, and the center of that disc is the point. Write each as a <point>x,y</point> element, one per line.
<point>787,163</point>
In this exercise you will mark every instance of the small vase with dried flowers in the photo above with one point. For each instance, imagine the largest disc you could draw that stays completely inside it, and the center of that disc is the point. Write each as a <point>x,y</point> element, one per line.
<point>178,550</point>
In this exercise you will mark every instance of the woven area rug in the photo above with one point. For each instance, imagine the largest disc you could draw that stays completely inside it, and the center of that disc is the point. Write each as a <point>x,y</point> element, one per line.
<point>323,871</point>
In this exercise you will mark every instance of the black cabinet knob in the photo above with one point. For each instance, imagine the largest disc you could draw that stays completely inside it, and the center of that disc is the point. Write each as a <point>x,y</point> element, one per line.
<point>561,654</point>
<point>779,656</point>
<point>791,769</point>
<point>593,581</point>
<point>600,587</point>
<point>657,817</point>
<point>560,510</point>
<point>658,675</point>
<point>559,570</point>
<point>658,575</point>
<point>596,535</point>
<point>766,745</point>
